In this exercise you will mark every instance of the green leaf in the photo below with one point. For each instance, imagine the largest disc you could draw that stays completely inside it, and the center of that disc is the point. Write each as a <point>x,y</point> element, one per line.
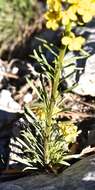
<point>47,47</point>
<point>64,163</point>
<point>34,88</point>
<point>41,40</point>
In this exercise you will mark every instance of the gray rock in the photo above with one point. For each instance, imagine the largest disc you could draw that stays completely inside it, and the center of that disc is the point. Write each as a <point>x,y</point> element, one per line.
<point>86,83</point>
<point>84,76</point>
<point>88,31</point>
<point>7,102</point>
<point>6,117</point>
<point>11,187</point>
<point>6,120</point>
<point>84,68</point>
<point>80,176</point>
<point>91,137</point>
<point>2,69</point>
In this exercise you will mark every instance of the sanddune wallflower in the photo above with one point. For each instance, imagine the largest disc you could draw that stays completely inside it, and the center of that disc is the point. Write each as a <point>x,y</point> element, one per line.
<point>53,18</point>
<point>71,9</point>
<point>69,130</point>
<point>39,112</point>
<point>73,43</point>
<point>86,9</point>
<point>73,1</point>
<point>69,15</point>
<point>54,5</point>
<point>54,14</point>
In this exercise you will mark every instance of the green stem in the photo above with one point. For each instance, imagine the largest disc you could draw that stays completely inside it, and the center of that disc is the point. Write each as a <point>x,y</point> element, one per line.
<point>54,94</point>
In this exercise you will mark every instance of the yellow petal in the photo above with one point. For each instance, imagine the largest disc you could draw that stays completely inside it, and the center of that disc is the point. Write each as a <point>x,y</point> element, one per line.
<point>76,44</point>
<point>73,1</point>
<point>66,40</point>
<point>87,17</point>
<point>52,24</point>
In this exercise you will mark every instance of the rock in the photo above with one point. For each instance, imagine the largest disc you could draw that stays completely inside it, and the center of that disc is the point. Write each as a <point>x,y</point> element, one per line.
<point>82,74</point>
<point>27,97</point>
<point>15,146</point>
<point>12,187</point>
<point>80,176</point>
<point>2,69</point>
<point>91,138</point>
<point>86,83</point>
<point>88,31</point>
<point>6,120</point>
<point>84,69</point>
<point>7,102</point>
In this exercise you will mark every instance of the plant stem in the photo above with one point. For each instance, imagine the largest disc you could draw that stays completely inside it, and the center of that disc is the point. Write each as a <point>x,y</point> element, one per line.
<point>52,102</point>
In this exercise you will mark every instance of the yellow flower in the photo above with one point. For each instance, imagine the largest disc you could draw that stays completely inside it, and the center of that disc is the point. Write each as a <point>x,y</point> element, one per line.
<point>86,8</point>
<point>53,18</point>
<point>54,5</point>
<point>69,130</point>
<point>73,1</point>
<point>40,113</point>
<point>76,43</point>
<point>73,43</point>
<point>66,40</point>
<point>69,15</point>
<point>57,16</point>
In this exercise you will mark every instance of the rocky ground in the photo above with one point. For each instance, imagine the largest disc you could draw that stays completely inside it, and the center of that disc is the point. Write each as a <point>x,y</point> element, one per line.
<point>80,176</point>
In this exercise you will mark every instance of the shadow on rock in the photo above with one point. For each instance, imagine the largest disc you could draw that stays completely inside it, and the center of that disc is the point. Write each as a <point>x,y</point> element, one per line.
<point>6,120</point>
<point>80,176</point>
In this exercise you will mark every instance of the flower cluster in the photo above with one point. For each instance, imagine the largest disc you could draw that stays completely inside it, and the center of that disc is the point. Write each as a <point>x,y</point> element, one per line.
<point>69,13</point>
<point>84,8</point>
<point>54,14</point>
<point>69,130</point>
<point>73,42</point>
<point>53,18</point>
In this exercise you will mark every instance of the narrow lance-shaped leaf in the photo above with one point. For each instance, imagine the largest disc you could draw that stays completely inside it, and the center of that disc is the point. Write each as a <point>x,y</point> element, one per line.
<point>34,88</point>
